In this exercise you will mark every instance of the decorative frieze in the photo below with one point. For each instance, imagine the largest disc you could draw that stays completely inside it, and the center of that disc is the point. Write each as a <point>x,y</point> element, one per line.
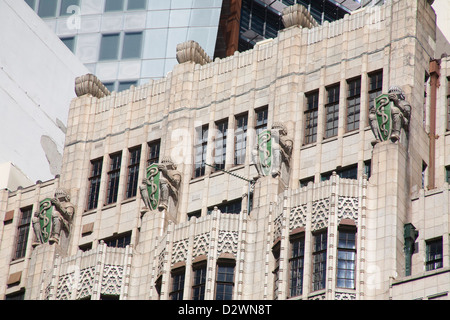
<point>180,251</point>
<point>320,213</point>
<point>201,244</point>
<point>228,242</point>
<point>297,218</point>
<point>348,209</point>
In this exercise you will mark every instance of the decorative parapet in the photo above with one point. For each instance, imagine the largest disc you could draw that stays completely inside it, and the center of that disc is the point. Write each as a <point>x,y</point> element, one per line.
<point>193,52</point>
<point>90,84</point>
<point>102,271</point>
<point>298,15</point>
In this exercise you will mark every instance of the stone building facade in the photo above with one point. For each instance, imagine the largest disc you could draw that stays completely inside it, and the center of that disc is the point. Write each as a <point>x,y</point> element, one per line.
<point>173,197</point>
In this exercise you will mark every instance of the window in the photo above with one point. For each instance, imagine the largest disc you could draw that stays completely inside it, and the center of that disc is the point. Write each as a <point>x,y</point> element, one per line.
<point>66,7</point>
<point>113,177</point>
<point>197,214</point>
<point>240,139</point>
<point>133,171</point>
<point>434,256</point>
<point>20,295</point>
<point>276,271</point>
<point>112,48</point>
<point>132,45</point>
<point>221,144</point>
<point>125,85</point>
<point>306,181</point>
<point>158,286</point>
<point>69,42</point>
<point>375,87</point>
<point>200,151</point>
<point>368,168</point>
<point>425,98</point>
<point>346,258</point>
<point>198,287</point>
<point>296,263</point>
<point>177,284</point>
<point>225,280</point>
<point>153,152</point>
<point>94,183</point>
<point>118,5</point>
<point>353,104</point>
<point>47,8</point>
<point>259,21</point>
<point>31,3</point>
<point>350,172</point>
<point>22,233</point>
<point>228,207</point>
<point>261,120</point>
<point>136,4</point>
<point>120,85</point>
<point>332,112</point>
<point>119,241</point>
<point>311,115</point>
<point>113,5</point>
<point>448,104</point>
<point>109,47</point>
<point>111,86</point>
<point>319,260</point>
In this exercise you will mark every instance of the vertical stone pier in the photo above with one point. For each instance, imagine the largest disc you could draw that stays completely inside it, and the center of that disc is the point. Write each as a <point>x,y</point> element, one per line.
<point>388,203</point>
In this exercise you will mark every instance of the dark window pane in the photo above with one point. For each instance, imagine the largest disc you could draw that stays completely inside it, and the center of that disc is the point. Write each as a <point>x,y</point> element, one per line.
<point>133,172</point>
<point>240,139</point>
<point>125,85</point>
<point>153,152</point>
<point>70,43</point>
<point>66,8</point>
<point>31,3</point>
<point>132,45</point>
<point>136,4</point>
<point>47,8</point>
<point>94,183</point>
<point>113,178</point>
<point>22,232</point>
<point>113,5</point>
<point>319,260</point>
<point>109,47</point>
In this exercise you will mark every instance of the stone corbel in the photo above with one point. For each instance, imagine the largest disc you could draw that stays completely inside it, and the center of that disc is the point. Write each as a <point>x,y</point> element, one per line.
<point>90,84</point>
<point>191,51</point>
<point>298,15</point>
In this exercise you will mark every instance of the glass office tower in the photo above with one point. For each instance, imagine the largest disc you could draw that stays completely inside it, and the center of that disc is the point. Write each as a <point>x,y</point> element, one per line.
<point>129,42</point>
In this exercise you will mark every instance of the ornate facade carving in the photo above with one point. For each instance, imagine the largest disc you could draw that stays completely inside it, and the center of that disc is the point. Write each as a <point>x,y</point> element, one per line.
<point>180,250</point>
<point>191,51</point>
<point>160,185</point>
<point>90,84</point>
<point>228,242</point>
<point>55,215</point>
<point>297,217</point>
<point>112,280</point>
<point>298,15</point>
<point>389,115</point>
<point>348,208</point>
<point>278,227</point>
<point>344,296</point>
<point>273,148</point>
<point>86,282</point>
<point>201,244</point>
<point>320,213</point>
